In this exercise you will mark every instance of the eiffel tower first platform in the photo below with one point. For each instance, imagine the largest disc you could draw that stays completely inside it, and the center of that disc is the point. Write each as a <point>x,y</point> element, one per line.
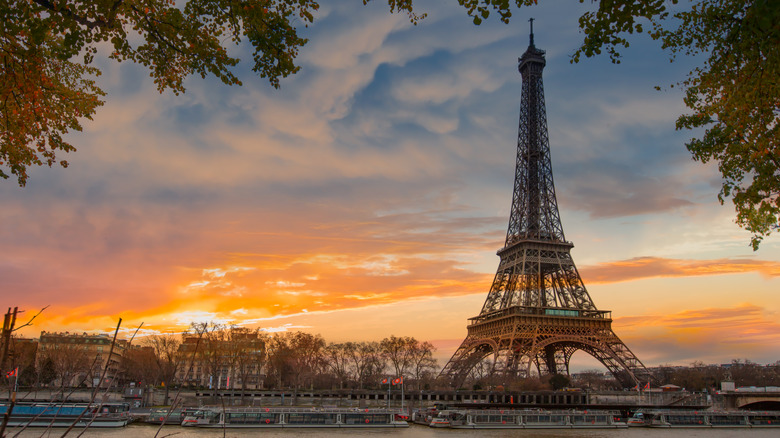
<point>538,312</point>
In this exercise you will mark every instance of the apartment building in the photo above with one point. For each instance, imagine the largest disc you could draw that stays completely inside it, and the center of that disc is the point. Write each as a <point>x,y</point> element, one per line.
<point>230,363</point>
<point>79,359</point>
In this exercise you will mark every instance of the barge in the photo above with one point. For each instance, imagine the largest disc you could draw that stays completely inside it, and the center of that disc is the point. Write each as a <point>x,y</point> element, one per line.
<point>271,417</point>
<point>697,419</point>
<point>526,419</point>
<point>98,415</point>
<point>168,417</point>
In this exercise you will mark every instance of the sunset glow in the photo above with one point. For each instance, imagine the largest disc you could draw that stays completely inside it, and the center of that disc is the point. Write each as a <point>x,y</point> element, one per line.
<point>368,196</point>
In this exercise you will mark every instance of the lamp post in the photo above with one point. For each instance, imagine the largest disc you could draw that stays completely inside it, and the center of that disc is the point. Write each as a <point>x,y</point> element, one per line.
<point>388,381</point>
<point>402,394</point>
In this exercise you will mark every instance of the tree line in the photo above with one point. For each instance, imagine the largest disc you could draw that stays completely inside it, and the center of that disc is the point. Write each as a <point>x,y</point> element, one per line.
<point>241,358</point>
<point>210,354</point>
<point>697,376</point>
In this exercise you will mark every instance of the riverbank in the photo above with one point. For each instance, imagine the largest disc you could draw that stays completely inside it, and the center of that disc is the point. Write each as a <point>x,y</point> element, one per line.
<point>414,431</point>
<point>148,397</point>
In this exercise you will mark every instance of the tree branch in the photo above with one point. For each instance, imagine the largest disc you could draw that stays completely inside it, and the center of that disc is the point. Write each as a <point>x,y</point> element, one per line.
<point>66,12</point>
<point>29,323</point>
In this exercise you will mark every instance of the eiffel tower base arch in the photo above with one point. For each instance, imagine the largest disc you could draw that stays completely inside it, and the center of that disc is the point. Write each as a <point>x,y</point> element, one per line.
<point>519,343</point>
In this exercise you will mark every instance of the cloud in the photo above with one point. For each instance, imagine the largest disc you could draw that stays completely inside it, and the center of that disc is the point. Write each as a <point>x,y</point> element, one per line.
<point>198,317</point>
<point>379,176</point>
<point>595,192</point>
<point>283,328</point>
<point>651,267</point>
<point>219,281</point>
<point>714,335</point>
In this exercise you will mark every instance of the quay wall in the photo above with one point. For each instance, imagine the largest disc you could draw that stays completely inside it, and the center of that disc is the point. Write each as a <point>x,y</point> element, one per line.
<point>148,397</point>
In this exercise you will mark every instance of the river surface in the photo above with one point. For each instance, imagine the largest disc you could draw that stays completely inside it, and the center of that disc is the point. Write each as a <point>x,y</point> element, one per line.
<point>414,431</point>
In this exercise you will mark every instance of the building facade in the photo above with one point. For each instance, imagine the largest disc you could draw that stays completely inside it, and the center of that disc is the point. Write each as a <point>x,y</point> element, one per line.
<point>233,362</point>
<point>78,360</point>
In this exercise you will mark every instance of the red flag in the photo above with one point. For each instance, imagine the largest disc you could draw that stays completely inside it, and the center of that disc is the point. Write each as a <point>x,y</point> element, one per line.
<point>647,386</point>
<point>12,372</point>
<point>398,381</point>
<point>384,380</point>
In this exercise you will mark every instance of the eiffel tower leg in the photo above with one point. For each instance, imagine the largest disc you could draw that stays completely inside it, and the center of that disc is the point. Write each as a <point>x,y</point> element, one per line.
<point>541,363</point>
<point>607,348</point>
<point>549,359</point>
<point>621,362</point>
<point>521,362</point>
<point>567,353</point>
<point>471,351</point>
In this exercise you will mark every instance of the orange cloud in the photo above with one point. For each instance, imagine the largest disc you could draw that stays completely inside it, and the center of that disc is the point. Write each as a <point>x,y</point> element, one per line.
<point>313,269</point>
<point>268,262</point>
<point>709,334</point>
<point>648,267</point>
<point>382,261</point>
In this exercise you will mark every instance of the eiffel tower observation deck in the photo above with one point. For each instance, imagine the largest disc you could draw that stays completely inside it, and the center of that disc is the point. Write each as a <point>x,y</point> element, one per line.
<point>538,312</point>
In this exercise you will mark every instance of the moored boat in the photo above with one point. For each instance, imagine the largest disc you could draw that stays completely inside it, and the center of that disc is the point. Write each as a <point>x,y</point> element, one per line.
<point>526,419</point>
<point>98,415</point>
<point>682,418</point>
<point>439,422</point>
<point>294,418</point>
<point>162,415</point>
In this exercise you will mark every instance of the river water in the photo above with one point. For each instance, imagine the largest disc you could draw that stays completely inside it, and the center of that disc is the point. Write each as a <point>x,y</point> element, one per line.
<point>414,431</point>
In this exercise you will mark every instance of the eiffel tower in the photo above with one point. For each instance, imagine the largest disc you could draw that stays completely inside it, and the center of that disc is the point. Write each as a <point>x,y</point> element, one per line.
<point>538,312</point>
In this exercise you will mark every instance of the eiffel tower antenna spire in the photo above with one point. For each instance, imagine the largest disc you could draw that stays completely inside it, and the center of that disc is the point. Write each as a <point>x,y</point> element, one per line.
<point>531,20</point>
<point>538,312</point>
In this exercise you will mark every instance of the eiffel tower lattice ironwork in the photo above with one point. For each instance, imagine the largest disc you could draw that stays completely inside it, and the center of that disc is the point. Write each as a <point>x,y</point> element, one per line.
<point>538,312</point>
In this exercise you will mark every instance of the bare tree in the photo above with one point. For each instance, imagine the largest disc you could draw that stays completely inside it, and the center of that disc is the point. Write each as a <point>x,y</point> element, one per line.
<point>139,364</point>
<point>748,373</point>
<point>21,357</point>
<point>247,352</point>
<point>168,358</point>
<point>213,354</point>
<point>482,373</point>
<point>665,373</point>
<point>307,359</point>
<point>295,358</point>
<point>260,359</point>
<point>279,361</point>
<point>422,363</point>
<point>69,362</point>
<point>337,357</point>
<point>591,380</point>
<point>376,363</point>
<point>9,327</point>
<point>398,352</point>
<point>365,361</point>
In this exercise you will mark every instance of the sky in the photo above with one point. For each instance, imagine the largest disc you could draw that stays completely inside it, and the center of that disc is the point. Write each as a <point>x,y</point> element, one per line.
<point>367,197</point>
